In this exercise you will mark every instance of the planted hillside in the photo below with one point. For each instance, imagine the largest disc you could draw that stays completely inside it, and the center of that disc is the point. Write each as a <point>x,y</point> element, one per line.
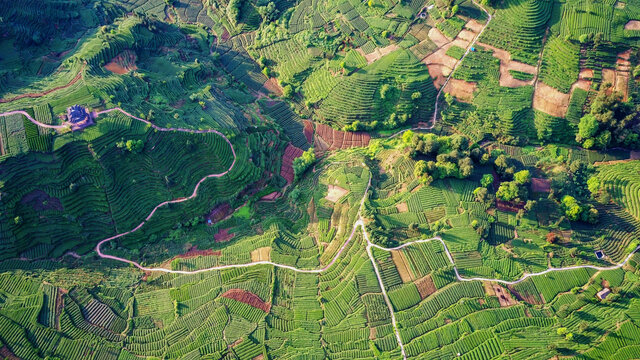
<point>269,179</point>
<point>389,93</point>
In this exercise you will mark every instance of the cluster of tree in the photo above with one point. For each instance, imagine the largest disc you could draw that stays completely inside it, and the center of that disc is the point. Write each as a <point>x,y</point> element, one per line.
<point>454,157</point>
<point>377,233</point>
<point>563,331</point>
<point>302,163</point>
<point>134,146</point>
<point>610,122</point>
<point>575,211</point>
<point>482,193</point>
<point>573,181</point>
<point>267,9</point>
<point>515,190</point>
<point>233,10</point>
<point>451,7</point>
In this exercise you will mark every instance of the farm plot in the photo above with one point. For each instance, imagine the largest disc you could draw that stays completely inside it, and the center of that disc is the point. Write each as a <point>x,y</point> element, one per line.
<point>327,138</point>
<point>509,67</point>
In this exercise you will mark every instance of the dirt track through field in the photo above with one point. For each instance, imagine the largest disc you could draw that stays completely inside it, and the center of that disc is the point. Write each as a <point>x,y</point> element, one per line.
<point>40,94</point>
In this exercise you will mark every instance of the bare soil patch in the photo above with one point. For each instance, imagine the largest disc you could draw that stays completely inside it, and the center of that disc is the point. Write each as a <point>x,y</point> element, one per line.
<point>441,57</point>
<point>509,206</point>
<point>438,37</point>
<point>272,86</point>
<point>533,299</point>
<point>426,286</point>
<point>623,70</point>
<point>5,353</point>
<point>308,131</point>
<point>378,53</point>
<point>122,63</point>
<point>335,193</point>
<point>223,235</point>
<point>488,289</point>
<point>474,26</point>
<point>248,298</point>
<point>586,74</point>
<point>540,185</point>
<point>461,89</point>
<point>608,76</point>
<point>402,207</point>
<point>467,35</point>
<point>504,296</point>
<point>286,169</point>
<point>336,139</point>
<point>41,201</point>
<point>581,84</point>
<point>549,100</point>
<point>403,267</point>
<point>218,213</point>
<point>261,254</point>
<point>632,25</point>
<point>311,211</point>
<point>271,196</point>
<point>194,252</point>
<point>439,74</point>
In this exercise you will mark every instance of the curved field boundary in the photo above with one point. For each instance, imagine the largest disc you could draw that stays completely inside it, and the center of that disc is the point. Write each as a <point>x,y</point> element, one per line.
<point>46,92</point>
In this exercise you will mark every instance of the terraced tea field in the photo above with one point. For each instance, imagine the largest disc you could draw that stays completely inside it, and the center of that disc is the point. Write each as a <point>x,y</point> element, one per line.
<point>319,180</point>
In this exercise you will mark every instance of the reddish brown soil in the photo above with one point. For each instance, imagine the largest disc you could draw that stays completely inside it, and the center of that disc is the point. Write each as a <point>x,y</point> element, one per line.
<point>425,286</point>
<point>504,297</point>
<point>586,74</point>
<point>551,101</point>
<point>178,104</point>
<point>272,86</point>
<point>59,307</point>
<point>194,252</point>
<point>540,185</point>
<point>270,197</point>
<point>40,94</point>
<point>223,235</point>
<point>5,353</point>
<point>41,201</point>
<point>337,139</point>
<point>122,63</point>
<point>509,206</point>
<point>461,89</point>
<point>290,153</point>
<point>308,131</point>
<point>225,36</point>
<point>248,298</point>
<point>533,299</point>
<point>402,207</point>
<point>219,212</point>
